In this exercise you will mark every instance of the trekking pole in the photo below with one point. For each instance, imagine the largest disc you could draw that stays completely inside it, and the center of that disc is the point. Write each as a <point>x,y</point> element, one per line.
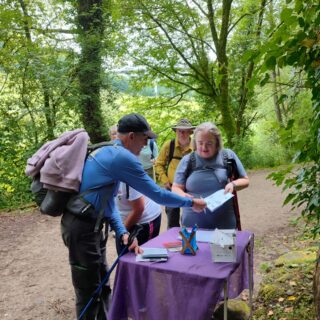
<point>237,210</point>
<point>106,277</point>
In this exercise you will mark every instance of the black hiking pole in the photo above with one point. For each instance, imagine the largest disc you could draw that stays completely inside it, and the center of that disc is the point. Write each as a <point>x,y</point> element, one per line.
<point>132,235</point>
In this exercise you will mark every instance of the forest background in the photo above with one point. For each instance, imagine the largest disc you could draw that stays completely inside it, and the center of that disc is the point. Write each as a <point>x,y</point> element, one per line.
<point>243,64</point>
<point>252,67</point>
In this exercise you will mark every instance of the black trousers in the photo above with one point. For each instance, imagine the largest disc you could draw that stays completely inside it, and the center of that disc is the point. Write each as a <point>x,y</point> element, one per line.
<point>173,217</point>
<point>87,257</point>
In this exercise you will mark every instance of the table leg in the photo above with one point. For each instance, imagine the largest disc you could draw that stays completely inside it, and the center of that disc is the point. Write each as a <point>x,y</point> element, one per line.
<point>225,303</point>
<point>250,274</point>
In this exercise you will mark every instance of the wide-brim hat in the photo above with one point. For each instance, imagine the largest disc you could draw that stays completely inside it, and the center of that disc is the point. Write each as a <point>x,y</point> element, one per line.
<point>183,124</point>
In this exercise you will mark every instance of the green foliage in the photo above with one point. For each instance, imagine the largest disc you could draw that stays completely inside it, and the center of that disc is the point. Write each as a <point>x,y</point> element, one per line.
<point>298,46</point>
<point>160,112</point>
<point>186,49</point>
<point>40,61</point>
<point>14,185</point>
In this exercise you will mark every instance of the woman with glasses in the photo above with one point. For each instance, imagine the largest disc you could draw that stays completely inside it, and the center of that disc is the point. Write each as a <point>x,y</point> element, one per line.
<point>204,172</point>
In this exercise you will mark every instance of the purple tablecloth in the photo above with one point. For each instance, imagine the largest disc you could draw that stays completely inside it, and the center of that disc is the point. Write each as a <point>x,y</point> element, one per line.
<point>185,287</point>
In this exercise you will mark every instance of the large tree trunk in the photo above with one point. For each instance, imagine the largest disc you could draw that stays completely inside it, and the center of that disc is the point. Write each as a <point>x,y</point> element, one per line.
<point>91,27</point>
<point>276,103</point>
<point>228,120</point>
<point>220,41</point>
<point>316,286</point>
<point>245,92</point>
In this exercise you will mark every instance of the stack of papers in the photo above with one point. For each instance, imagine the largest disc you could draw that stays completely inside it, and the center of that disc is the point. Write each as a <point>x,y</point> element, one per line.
<point>173,246</point>
<point>153,254</point>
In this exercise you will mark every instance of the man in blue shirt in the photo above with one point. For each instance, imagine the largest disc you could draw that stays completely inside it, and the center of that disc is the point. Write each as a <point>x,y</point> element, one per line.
<point>107,166</point>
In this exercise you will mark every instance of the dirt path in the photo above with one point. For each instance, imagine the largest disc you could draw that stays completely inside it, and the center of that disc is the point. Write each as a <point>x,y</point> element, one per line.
<point>34,270</point>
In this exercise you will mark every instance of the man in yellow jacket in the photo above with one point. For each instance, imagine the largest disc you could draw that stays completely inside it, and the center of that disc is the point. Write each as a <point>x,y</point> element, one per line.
<point>168,159</point>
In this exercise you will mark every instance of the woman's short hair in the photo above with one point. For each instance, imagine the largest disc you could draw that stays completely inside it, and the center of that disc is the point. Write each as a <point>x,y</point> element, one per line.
<point>113,128</point>
<point>211,128</point>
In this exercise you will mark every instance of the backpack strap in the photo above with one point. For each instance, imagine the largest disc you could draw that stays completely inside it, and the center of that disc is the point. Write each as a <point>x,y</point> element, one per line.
<point>227,163</point>
<point>230,164</point>
<point>233,174</point>
<point>152,148</point>
<point>104,201</point>
<point>106,195</point>
<point>127,191</point>
<point>95,146</point>
<point>191,165</point>
<point>171,151</point>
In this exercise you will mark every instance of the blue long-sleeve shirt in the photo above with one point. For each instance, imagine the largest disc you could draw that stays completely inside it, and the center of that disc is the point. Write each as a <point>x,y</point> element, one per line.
<point>112,164</point>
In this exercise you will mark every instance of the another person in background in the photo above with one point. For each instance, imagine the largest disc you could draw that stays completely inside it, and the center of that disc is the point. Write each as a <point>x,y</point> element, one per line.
<point>168,159</point>
<point>206,174</point>
<point>113,130</point>
<point>148,156</point>
<point>135,208</point>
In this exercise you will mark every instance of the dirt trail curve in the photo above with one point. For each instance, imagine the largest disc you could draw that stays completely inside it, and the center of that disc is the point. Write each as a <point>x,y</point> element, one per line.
<point>34,270</point>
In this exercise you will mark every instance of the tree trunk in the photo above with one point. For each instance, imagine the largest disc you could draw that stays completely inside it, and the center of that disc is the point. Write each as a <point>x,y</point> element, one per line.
<point>245,92</point>
<point>316,286</point>
<point>276,103</point>
<point>228,120</point>
<point>91,28</point>
<point>48,113</point>
<point>220,41</point>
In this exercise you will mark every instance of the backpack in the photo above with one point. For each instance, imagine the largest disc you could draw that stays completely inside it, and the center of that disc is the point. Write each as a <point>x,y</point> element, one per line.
<point>54,203</point>
<point>228,163</point>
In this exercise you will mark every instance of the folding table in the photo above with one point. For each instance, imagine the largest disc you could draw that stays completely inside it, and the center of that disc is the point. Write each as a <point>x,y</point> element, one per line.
<point>185,287</point>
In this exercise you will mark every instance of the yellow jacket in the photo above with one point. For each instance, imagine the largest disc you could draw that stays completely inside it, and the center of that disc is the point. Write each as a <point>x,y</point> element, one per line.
<point>165,172</point>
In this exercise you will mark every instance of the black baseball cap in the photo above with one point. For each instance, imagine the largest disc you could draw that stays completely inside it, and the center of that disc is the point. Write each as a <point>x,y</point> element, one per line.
<point>135,122</point>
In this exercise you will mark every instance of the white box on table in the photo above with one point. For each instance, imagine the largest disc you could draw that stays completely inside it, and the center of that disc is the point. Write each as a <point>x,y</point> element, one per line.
<point>223,245</point>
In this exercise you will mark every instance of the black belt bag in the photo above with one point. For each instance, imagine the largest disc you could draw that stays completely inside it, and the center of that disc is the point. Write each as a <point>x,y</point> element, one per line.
<point>79,207</point>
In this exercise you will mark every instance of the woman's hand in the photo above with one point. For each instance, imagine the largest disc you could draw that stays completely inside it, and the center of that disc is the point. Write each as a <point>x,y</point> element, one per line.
<point>134,245</point>
<point>237,185</point>
<point>230,187</point>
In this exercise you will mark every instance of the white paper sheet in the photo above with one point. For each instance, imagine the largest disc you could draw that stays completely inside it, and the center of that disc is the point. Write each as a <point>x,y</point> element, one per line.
<point>202,235</point>
<point>217,199</point>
